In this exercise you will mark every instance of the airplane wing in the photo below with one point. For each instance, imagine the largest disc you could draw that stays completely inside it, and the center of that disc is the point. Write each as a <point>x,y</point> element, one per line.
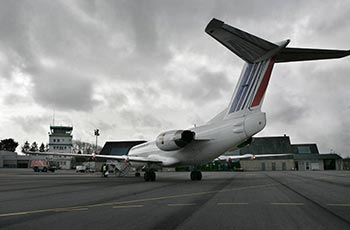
<point>250,156</point>
<point>150,159</point>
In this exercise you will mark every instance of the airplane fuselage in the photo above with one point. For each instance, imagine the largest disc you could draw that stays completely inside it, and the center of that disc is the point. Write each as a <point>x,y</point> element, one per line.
<point>211,140</point>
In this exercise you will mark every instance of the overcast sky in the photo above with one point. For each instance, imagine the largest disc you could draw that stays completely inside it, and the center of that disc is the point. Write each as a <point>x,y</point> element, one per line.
<point>136,68</point>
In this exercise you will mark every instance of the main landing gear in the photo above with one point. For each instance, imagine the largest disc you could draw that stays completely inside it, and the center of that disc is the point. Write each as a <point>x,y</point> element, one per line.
<point>150,176</point>
<point>196,175</point>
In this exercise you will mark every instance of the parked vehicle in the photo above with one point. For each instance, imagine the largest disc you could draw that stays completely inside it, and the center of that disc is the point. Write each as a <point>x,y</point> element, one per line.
<point>80,168</point>
<point>44,165</point>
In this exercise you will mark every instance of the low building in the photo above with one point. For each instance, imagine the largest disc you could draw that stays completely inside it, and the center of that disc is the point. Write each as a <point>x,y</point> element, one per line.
<point>8,159</point>
<point>117,148</point>
<point>346,163</point>
<point>14,160</point>
<point>287,163</point>
<point>302,156</point>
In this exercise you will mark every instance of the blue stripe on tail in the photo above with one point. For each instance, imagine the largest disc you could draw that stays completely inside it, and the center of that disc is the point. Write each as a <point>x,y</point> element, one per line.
<point>247,86</point>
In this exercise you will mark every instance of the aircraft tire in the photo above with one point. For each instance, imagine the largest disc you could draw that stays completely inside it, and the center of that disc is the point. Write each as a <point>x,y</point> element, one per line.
<point>193,175</point>
<point>196,175</point>
<point>153,176</point>
<point>199,175</point>
<point>147,176</point>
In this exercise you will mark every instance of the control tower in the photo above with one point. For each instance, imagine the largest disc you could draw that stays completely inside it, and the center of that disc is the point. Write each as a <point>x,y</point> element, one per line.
<point>60,139</point>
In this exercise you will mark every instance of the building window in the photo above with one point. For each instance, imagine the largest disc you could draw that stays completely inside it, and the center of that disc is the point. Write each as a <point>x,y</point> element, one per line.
<point>304,149</point>
<point>54,140</point>
<point>58,140</point>
<point>273,166</point>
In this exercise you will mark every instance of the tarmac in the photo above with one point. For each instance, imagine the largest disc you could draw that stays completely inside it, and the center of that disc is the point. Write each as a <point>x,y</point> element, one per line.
<point>222,200</point>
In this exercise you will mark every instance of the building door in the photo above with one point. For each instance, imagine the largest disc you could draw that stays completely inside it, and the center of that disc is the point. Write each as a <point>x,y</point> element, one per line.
<point>307,165</point>
<point>273,166</point>
<point>296,165</point>
<point>22,164</point>
<point>263,166</point>
<point>329,164</point>
<point>284,167</point>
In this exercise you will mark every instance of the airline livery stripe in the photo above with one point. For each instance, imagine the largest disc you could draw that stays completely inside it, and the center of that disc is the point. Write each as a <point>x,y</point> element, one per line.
<point>238,94</point>
<point>263,85</point>
<point>253,86</point>
<point>246,86</point>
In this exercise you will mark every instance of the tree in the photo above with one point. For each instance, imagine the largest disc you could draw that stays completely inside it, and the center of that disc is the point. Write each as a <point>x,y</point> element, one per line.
<point>42,148</point>
<point>25,147</point>
<point>8,145</point>
<point>34,147</point>
<point>81,147</point>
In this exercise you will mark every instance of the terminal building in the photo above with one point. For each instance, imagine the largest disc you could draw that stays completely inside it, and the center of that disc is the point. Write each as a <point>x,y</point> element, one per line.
<point>302,156</point>
<point>60,140</point>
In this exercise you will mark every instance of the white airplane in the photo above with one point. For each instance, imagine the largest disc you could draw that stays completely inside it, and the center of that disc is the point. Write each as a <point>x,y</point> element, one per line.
<point>235,125</point>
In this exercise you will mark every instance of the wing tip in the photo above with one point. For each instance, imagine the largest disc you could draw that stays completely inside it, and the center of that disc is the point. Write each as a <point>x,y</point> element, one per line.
<point>348,53</point>
<point>212,25</point>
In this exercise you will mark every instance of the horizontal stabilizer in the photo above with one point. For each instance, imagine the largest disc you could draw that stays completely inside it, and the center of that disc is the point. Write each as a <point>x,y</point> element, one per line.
<point>299,54</point>
<point>253,49</point>
<point>245,45</point>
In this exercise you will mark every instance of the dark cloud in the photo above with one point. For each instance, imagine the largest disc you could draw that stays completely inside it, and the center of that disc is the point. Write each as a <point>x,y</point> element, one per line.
<point>117,100</point>
<point>200,86</point>
<point>32,124</point>
<point>156,59</point>
<point>14,99</point>
<point>63,91</point>
<point>140,120</point>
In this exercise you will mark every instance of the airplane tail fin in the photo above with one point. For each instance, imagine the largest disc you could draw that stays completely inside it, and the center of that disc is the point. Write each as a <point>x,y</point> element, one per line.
<point>260,56</point>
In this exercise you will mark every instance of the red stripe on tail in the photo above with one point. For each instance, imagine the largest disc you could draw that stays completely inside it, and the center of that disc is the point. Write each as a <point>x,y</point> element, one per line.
<point>263,86</point>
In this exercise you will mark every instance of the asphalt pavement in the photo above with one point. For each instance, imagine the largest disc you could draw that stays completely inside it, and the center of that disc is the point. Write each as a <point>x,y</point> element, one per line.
<point>222,200</point>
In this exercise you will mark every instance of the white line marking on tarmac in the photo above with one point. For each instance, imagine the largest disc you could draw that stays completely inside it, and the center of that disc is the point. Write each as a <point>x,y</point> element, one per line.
<point>71,209</point>
<point>233,203</point>
<point>339,205</point>
<point>287,203</point>
<point>181,204</point>
<point>128,206</point>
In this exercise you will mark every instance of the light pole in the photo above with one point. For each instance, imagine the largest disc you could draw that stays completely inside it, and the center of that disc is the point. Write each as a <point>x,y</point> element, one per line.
<point>97,133</point>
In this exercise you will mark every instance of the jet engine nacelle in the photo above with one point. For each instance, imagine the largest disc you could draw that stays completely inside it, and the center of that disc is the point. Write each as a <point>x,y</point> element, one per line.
<point>174,140</point>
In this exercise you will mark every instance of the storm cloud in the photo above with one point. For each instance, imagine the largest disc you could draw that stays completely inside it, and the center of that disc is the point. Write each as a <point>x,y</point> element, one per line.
<point>136,68</point>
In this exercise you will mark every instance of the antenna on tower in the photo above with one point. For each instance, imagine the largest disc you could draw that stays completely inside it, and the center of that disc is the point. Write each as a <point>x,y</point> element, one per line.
<point>53,117</point>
